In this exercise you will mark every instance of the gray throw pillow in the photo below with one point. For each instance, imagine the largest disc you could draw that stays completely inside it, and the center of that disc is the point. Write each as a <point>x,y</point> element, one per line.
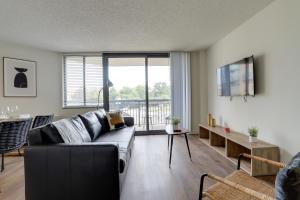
<point>287,184</point>
<point>81,129</point>
<point>72,131</point>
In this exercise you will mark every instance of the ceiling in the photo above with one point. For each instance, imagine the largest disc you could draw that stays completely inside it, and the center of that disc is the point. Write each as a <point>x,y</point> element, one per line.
<point>122,25</point>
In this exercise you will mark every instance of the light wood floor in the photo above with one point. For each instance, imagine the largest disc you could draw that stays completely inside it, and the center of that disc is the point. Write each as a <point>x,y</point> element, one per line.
<point>149,176</point>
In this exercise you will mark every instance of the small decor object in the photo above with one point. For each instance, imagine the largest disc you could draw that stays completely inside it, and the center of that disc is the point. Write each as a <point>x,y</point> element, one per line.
<point>19,78</point>
<point>115,119</point>
<point>227,130</point>
<point>175,122</point>
<point>253,131</point>
<point>209,119</point>
<point>213,122</point>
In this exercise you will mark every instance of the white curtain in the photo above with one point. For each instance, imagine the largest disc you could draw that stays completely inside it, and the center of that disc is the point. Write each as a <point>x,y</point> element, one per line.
<point>181,87</point>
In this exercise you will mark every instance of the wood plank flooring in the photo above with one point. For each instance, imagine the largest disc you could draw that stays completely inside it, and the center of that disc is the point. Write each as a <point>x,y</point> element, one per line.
<point>149,176</point>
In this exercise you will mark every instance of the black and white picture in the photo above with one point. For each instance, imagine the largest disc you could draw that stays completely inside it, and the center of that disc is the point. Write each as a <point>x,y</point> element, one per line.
<point>19,77</point>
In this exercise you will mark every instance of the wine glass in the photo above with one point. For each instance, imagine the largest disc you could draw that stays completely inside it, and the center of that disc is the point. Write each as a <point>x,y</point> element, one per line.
<point>7,110</point>
<point>16,108</point>
<point>12,109</point>
<point>2,113</point>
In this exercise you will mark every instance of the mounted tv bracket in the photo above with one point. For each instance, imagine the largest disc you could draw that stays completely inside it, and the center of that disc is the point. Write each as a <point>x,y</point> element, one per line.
<point>244,97</point>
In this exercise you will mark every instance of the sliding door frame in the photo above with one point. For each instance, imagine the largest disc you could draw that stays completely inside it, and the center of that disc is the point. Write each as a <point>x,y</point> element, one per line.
<point>106,56</point>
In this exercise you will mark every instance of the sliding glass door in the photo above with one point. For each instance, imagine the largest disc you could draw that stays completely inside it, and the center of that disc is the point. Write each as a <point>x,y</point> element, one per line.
<point>128,91</point>
<point>141,88</point>
<point>159,92</point>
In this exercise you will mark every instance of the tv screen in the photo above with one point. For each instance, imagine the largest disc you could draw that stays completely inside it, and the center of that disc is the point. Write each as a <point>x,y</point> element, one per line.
<point>236,79</point>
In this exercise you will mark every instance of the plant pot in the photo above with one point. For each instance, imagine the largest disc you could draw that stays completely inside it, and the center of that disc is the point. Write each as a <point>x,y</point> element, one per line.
<point>175,127</point>
<point>252,139</point>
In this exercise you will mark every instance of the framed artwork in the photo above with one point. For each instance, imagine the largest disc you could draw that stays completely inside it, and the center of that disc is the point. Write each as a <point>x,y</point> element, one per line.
<point>19,78</point>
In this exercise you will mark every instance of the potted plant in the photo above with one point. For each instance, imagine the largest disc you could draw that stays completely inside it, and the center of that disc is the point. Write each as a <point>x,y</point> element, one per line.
<point>175,122</point>
<point>253,131</point>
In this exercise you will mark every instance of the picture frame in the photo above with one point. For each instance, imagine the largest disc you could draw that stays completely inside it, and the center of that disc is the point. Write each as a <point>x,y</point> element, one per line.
<point>19,77</point>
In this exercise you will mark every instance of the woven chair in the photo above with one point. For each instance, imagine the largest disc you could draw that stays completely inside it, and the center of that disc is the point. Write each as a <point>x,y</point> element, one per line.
<point>41,120</point>
<point>239,184</point>
<point>13,136</point>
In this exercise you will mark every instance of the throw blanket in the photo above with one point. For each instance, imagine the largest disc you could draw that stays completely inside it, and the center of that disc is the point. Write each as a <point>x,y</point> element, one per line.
<point>72,131</point>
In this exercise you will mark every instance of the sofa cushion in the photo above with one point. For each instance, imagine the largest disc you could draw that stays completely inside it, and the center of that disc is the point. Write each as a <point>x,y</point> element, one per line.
<point>34,137</point>
<point>50,135</point>
<point>288,180</point>
<point>92,124</point>
<point>121,135</point>
<point>72,131</point>
<point>129,121</point>
<point>80,127</point>
<point>115,120</point>
<point>101,115</point>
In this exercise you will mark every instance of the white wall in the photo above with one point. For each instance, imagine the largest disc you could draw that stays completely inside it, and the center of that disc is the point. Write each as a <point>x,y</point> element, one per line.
<point>49,81</point>
<point>199,88</point>
<point>273,36</point>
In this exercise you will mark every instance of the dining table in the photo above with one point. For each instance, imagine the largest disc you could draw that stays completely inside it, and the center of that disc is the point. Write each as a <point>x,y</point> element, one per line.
<point>14,118</point>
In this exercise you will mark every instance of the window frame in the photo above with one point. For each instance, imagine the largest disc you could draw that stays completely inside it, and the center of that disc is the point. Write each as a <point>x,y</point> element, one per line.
<point>105,56</point>
<point>64,106</point>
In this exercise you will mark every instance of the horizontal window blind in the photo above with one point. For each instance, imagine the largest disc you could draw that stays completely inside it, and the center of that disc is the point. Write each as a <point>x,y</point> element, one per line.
<point>83,78</point>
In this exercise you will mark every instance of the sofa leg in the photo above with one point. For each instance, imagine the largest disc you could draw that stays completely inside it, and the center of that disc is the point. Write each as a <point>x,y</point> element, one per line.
<point>2,165</point>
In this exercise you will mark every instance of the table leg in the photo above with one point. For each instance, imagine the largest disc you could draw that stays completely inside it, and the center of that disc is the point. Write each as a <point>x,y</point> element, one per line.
<point>19,152</point>
<point>187,143</point>
<point>2,165</point>
<point>168,141</point>
<point>171,151</point>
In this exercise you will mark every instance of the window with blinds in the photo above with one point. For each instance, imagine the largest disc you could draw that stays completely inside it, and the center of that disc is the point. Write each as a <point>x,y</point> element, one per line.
<point>83,78</point>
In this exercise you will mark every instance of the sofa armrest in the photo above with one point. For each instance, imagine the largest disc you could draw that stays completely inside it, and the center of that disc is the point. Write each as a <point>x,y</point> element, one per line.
<point>129,121</point>
<point>72,172</point>
<point>261,159</point>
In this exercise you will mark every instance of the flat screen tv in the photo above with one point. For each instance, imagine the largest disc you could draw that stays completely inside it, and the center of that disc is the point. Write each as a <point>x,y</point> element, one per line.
<point>236,79</point>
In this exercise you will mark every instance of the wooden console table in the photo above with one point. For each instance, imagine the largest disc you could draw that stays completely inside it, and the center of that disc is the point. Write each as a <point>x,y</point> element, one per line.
<point>232,144</point>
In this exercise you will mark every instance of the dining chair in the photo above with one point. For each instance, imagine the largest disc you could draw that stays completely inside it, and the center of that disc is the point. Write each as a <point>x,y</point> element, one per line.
<point>41,120</point>
<point>240,185</point>
<point>13,135</point>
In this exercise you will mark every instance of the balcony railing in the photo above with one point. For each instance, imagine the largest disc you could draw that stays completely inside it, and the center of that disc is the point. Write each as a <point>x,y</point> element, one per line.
<point>159,110</point>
